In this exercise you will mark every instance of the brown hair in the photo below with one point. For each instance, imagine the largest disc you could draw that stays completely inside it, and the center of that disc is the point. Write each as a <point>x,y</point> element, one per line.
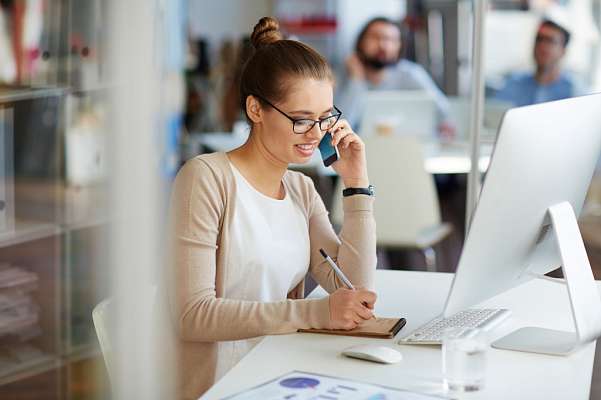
<point>275,60</point>
<point>564,32</point>
<point>375,20</point>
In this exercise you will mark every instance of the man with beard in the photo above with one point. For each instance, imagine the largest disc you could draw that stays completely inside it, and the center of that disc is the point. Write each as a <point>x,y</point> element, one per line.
<point>548,82</point>
<point>377,65</point>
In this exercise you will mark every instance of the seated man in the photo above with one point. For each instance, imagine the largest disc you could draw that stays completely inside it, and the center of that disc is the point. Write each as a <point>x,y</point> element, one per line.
<point>548,82</point>
<point>377,65</point>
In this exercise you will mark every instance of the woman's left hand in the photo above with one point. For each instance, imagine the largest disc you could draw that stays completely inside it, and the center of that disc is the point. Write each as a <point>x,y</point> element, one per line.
<point>352,165</point>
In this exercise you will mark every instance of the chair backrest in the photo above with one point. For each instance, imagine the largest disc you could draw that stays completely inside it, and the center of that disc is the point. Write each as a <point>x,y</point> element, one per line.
<point>103,316</point>
<point>406,198</point>
<point>100,316</point>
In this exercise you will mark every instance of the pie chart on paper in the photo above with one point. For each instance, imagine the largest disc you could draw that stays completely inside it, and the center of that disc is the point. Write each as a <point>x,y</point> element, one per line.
<point>299,383</point>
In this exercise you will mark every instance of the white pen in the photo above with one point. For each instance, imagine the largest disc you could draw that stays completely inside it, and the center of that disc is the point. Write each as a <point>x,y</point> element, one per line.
<point>337,270</point>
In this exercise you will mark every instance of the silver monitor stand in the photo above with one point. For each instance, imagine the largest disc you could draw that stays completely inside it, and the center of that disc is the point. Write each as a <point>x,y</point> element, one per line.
<point>582,291</point>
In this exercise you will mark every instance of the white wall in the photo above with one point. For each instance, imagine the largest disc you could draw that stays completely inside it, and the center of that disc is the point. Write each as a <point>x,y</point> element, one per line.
<point>509,41</point>
<point>222,19</point>
<point>518,28</point>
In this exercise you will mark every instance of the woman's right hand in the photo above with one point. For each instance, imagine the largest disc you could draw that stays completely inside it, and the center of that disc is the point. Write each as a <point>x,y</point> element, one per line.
<point>348,308</point>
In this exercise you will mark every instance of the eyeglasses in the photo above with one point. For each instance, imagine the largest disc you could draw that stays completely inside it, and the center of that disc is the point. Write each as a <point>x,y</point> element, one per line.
<point>548,40</point>
<point>303,125</point>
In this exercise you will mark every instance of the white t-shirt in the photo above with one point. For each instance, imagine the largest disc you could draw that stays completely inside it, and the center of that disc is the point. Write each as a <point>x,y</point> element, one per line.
<point>271,238</point>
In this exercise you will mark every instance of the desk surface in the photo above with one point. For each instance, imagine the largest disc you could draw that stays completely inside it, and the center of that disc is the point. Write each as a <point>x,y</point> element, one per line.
<point>419,296</point>
<point>439,157</point>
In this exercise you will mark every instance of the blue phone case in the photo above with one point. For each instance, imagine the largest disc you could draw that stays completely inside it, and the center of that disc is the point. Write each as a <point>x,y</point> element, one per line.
<point>329,153</point>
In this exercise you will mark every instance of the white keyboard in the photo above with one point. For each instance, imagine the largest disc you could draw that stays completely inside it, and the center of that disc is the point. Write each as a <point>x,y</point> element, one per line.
<point>431,333</point>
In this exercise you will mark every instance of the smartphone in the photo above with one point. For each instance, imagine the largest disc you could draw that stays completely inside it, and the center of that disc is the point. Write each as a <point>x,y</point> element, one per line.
<point>329,153</point>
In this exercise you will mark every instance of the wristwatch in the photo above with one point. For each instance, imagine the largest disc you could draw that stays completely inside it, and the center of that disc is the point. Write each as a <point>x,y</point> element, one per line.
<point>370,191</point>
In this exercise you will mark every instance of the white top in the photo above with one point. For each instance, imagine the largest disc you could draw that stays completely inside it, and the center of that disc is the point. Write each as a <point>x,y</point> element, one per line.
<point>271,239</point>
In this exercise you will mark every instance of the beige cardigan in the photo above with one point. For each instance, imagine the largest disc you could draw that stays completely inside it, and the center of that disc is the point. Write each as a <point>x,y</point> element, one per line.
<point>207,322</point>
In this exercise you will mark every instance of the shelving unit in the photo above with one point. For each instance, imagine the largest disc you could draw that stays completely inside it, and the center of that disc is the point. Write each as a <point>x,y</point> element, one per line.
<point>30,244</point>
<point>23,356</point>
<point>57,231</point>
<point>67,256</point>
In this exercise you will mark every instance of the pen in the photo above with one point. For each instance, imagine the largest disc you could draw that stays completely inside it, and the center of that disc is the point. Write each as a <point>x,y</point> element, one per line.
<point>337,270</point>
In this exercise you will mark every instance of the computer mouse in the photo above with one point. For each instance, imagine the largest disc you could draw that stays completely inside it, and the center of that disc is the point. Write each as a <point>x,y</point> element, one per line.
<point>375,353</point>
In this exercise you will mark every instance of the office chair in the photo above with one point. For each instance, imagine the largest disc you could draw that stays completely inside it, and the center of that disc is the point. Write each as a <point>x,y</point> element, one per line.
<point>102,316</point>
<point>406,210</point>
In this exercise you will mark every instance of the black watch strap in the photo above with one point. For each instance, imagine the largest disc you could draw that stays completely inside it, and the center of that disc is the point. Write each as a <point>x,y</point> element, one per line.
<point>352,191</point>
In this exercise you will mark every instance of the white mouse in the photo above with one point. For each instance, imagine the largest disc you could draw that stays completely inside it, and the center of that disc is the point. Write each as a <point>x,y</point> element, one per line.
<point>371,352</point>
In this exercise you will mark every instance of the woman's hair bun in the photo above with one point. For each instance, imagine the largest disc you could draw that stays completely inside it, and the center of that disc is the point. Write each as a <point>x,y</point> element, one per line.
<point>266,31</point>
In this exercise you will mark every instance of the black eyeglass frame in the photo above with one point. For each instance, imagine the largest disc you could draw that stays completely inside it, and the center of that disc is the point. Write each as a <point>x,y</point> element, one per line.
<point>548,39</point>
<point>295,120</point>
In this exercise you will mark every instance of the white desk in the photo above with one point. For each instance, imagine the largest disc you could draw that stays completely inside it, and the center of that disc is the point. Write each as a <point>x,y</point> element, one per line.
<point>439,157</point>
<point>419,296</point>
<point>453,157</point>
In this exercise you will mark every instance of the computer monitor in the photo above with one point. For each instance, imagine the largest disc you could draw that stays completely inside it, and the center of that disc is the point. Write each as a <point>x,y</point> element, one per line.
<point>406,112</point>
<point>545,155</point>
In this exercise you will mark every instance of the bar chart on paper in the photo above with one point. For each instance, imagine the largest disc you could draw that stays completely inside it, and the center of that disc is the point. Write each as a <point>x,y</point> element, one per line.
<point>299,385</point>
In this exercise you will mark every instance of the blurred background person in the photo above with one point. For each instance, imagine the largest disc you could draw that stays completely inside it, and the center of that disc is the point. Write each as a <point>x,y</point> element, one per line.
<point>548,82</point>
<point>377,64</point>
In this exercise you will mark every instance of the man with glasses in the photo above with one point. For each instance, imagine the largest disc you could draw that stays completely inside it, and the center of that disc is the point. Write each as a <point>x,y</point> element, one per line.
<point>548,82</point>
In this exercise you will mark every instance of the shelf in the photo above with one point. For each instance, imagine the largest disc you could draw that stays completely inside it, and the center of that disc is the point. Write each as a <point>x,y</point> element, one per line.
<point>29,368</point>
<point>46,363</point>
<point>73,208</point>
<point>82,352</point>
<point>10,94</point>
<point>96,88</point>
<point>27,231</point>
<point>91,222</point>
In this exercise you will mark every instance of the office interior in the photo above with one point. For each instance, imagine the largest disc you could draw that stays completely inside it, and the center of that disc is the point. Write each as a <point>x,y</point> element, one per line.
<point>102,102</point>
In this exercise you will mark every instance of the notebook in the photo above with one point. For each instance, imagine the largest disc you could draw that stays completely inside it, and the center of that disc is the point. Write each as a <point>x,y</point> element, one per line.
<point>383,328</point>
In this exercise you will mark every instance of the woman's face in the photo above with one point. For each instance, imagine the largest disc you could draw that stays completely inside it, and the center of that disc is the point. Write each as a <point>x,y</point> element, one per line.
<point>305,99</point>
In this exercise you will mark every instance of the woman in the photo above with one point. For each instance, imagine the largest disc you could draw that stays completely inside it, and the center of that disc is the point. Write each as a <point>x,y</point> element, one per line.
<point>248,230</point>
